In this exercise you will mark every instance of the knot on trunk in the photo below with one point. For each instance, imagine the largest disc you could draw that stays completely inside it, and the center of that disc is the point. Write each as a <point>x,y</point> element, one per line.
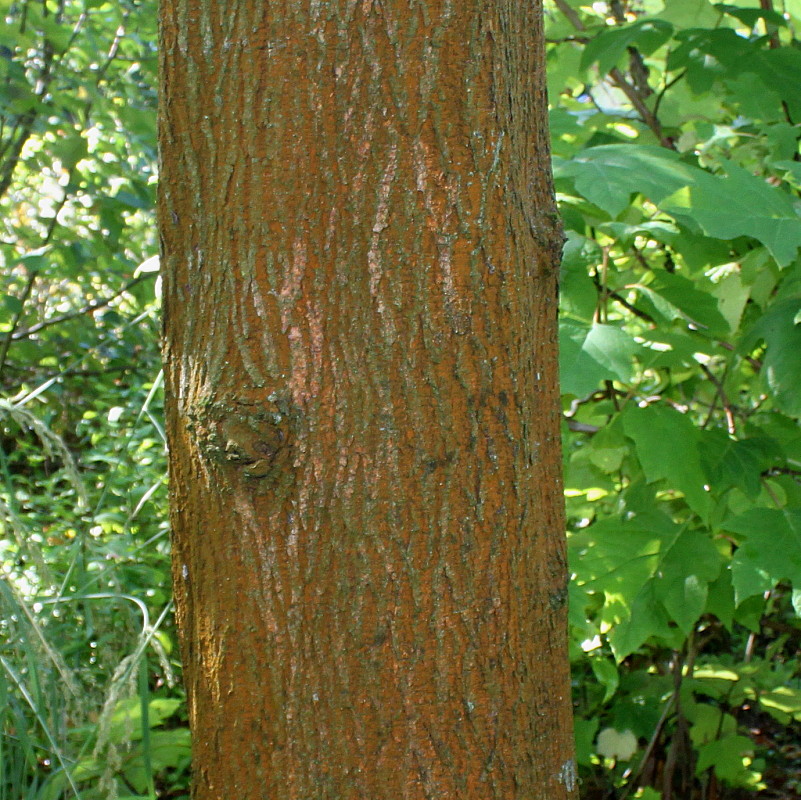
<point>252,436</point>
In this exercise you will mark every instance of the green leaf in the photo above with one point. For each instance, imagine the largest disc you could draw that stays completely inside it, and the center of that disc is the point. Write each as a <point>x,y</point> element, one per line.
<point>584,730</point>
<point>709,722</point>
<point>740,204</point>
<point>732,295</point>
<point>126,719</point>
<point>749,612</point>
<point>781,365</point>
<point>720,598</point>
<point>688,566</point>
<point>652,573</point>
<point>727,757</point>
<point>770,551</point>
<point>751,16</point>
<point>782,703</point>
<point>592,354</point>
<point>697,306</point>
<point>35,260</point>
<point>667,447</point>
<point>578,294</point>
<point>561,122</point>
<point>607,449</point>
<point>132,201</point>
<point>12,304</point>
<point>168,750</point>
<point>607,674</point>
<point>729,462</point>
<point>755,99</point>
<point>659,230</point>
<point>690,14</point>
<point>780,67</point>
<point>706,55</point>
<point>609,175</point>
<point>58,35</point>
<point>631,626</point>
<point>667,349</point>
<point>609,46</point>
<point>70,150</point>
<point>647,793</point>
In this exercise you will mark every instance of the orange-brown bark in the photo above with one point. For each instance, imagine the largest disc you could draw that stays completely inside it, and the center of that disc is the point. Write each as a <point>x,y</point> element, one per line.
<point>359,259</point>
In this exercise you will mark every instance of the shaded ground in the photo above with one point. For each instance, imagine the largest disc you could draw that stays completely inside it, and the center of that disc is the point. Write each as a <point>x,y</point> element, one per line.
<point>779,746</point>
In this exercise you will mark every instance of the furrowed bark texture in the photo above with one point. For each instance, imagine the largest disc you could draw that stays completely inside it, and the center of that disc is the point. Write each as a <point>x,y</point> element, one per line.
<point>359,258</point>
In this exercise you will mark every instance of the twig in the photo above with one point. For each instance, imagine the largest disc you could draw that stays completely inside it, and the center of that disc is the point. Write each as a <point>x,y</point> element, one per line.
<point>87,309</point>
<point>755,363</point>
<point>571,14</point>
<point>8,168</point>
<point>647,116</point>
<point>773,35</point>
<point>721,392</point>
<point>782,471</point>
<point>26,292</point>
<point>668,84</point>
<point>27,120</point>
<point>620,80</point>
<point>631,783</point>
<point>632,308</point>
<point>580,427</point>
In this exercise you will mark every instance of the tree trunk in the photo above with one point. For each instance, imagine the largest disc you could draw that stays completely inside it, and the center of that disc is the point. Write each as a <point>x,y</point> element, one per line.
<point>360,256</point>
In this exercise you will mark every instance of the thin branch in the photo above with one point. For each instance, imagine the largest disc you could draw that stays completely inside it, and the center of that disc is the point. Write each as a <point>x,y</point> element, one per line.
<point>571,14</point>
<point>783,471</point>
<point>773,34</point>
<point>28,120</point>
<point>620,80</point>
<point>668,84</point>
<point>647,116</point>
<point>26,293</point>
<point>81,373</point>
<point>9,167</point>
<point>755,363</point>
<point>631,783</point>
<point>639,72</point>
<point>26,130</point>
<point>721,393</point>
<point>87,309</point>
<point>679,665</point>
<point>632,308</point>
<point>580,427</point>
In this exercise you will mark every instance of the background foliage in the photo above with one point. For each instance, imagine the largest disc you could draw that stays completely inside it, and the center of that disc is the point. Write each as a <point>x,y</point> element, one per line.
<point>675,133</point>
<point>675,128</point>
<point>89,705</point>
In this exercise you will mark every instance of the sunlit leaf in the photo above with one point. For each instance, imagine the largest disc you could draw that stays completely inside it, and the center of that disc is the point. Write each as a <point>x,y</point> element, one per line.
<point>781,368</point>
<point>770,550</point>
<point>667,447</point>
<point>594,353</point>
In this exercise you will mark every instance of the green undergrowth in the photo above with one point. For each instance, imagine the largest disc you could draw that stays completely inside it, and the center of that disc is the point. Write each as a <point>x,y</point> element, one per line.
<point>675,131</point>
<point>675,136</point>
<point>90,698</point>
